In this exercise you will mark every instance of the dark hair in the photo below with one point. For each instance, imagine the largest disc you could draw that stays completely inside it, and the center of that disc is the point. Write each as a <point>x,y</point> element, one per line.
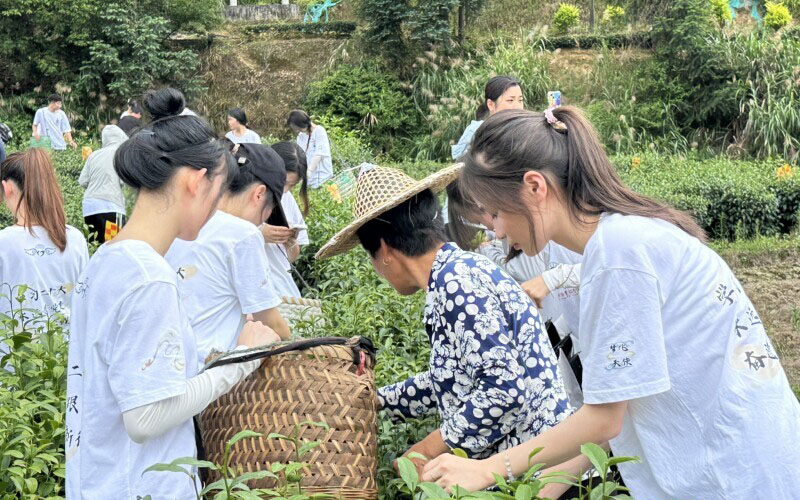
<point>482,112</point>
<point>513,142</point>
<point>54,98</point>
<point>32,171</point>
<point>129,124</point>
<point>239,115</point>
<point>459,206</point>
<point>299,119</point>
<point>151,156</point>
<point>137,108</point>
<point>414,227</point>
<point>132,102</point>
<point>294,158</point>
<point>164,102</point>
<point>497,86</point>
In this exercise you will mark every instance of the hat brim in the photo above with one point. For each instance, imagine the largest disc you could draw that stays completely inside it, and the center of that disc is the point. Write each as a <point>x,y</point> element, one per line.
<point>346,239</point>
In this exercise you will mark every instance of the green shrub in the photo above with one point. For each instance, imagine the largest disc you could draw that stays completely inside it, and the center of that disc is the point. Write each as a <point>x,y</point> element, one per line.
<point>348,148</point>
<point>777,16</point>
<point>567,17</point>
<point>613,16</point>
<point>730,199</point>
<point>32,404</point>
<point>722,11</point>
<point>367,99</point>
<point>793,6</point>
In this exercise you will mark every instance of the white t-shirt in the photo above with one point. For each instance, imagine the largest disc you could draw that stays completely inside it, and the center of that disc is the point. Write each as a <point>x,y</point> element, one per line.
<point>249,137</point>
<point>130,345</point>
<point>34,260</point>
<point>666,327</point>
<point>224,276</point>
<point>318,145</point>
<point>278,261</point>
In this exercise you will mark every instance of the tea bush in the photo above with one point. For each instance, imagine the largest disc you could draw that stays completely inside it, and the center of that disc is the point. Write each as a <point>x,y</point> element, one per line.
<point>613,16</point>
<point>729,198</point>
<point>32,402</point>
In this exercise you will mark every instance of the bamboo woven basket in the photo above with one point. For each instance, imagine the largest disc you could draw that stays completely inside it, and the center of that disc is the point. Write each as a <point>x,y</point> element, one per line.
<point>293,309</point>
<point>297,382</point>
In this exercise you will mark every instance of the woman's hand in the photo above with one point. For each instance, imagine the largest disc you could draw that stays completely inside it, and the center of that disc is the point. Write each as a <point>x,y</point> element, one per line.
<point>450,470</point>
<point>256,334</point>
<point>536,290</point>
<point>276,234</point>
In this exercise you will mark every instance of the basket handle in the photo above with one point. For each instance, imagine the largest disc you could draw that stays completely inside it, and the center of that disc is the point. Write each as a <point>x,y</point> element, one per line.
<point>357,344</point>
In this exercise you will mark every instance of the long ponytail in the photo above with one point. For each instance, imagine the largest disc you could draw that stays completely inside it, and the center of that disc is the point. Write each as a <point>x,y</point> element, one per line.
<point>511,143</point>
<point>33,173</point>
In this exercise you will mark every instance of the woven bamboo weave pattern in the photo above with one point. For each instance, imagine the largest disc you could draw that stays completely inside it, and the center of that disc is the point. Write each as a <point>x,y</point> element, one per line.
<point>320,385</point>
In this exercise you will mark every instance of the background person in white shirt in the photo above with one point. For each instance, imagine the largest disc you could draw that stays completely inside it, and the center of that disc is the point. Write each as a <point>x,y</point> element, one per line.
<point>132,382</point>
<point>224,273</point>
<point>51,122</point>
<point>103,200</point>
<point>677,367</point>
<point>239,133</point>
<point>314,140</point>
<point>40,250</point>
<point>284,244</point>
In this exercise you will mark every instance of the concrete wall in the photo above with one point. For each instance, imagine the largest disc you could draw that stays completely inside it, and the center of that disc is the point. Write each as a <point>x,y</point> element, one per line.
<point>270,12</point>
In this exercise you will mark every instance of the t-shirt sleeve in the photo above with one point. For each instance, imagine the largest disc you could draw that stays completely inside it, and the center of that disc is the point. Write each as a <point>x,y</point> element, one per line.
<point>251,276</point>
<point>38,120</point>
<point>622,337</point>
<point>323,144</point>
<point>64,123</point>
<point>146,358</point>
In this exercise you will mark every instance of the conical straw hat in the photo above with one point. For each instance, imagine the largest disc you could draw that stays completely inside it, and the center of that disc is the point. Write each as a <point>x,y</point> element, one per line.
<point>378,190</point>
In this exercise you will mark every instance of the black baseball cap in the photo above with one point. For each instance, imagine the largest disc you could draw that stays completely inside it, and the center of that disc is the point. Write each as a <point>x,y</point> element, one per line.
<point>268,167</point>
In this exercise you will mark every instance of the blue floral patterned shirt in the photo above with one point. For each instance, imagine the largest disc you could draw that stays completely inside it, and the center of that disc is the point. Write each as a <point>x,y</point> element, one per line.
<point>493,375</point>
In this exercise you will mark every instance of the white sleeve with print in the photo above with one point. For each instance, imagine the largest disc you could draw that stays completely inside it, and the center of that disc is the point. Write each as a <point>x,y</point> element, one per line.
<point>294,216</point>
<point>622,337</point>
<point>251,275</point>
<point>146,360</point>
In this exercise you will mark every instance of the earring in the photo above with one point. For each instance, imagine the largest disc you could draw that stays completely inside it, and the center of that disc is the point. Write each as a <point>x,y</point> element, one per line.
<point>385,263</point>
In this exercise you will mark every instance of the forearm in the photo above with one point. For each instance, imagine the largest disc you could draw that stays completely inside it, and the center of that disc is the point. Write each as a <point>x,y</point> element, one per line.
<point>150,421</point>
<point>273,319</point>
<point>68,136</point>
<point>563,276</point>
<point>292,252</point>
<point>562,443</point>
<point>431,447</point>
<point>312,167</point>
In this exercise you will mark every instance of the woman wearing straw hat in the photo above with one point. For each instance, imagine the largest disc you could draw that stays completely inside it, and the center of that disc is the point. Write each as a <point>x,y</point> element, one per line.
<point>493,375</point>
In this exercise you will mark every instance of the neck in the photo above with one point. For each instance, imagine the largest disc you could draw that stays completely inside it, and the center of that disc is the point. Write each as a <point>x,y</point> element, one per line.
<point>419,268</point>
<point>239,130</point>
<point>20,216</point>
<point>152,222</point>
<point>574,235</point>
<point>230,205</point>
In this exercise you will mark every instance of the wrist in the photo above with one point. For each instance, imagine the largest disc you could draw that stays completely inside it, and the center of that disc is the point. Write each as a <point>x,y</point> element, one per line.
<point>493,465</point>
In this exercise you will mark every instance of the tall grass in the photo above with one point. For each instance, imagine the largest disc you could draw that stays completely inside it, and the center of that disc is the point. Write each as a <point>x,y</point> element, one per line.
<point>447,91</point>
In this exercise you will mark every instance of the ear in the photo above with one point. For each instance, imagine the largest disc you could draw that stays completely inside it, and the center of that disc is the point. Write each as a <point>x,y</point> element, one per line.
<point>258,193</point>
<point>9,188</point>
<point>193,180</point>
<point>534,185</point>
<point>491,105</point>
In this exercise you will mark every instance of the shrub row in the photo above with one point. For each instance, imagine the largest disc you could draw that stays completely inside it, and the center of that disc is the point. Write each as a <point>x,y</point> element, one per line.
<point>640,38</point>
<point>729,198</point>
<point>336,29</point>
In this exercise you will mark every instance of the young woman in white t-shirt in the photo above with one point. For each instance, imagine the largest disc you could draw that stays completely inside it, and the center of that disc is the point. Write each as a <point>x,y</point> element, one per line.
<point>314,140</point>
<point>224,273</point>
<point>284,243</point>
<point>239,133</point>
<point>677,367</point>
<point>40,251</point>
<point>132,382</point>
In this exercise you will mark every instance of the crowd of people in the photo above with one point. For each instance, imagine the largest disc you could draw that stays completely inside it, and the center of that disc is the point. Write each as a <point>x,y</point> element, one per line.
<point>561,307</point>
